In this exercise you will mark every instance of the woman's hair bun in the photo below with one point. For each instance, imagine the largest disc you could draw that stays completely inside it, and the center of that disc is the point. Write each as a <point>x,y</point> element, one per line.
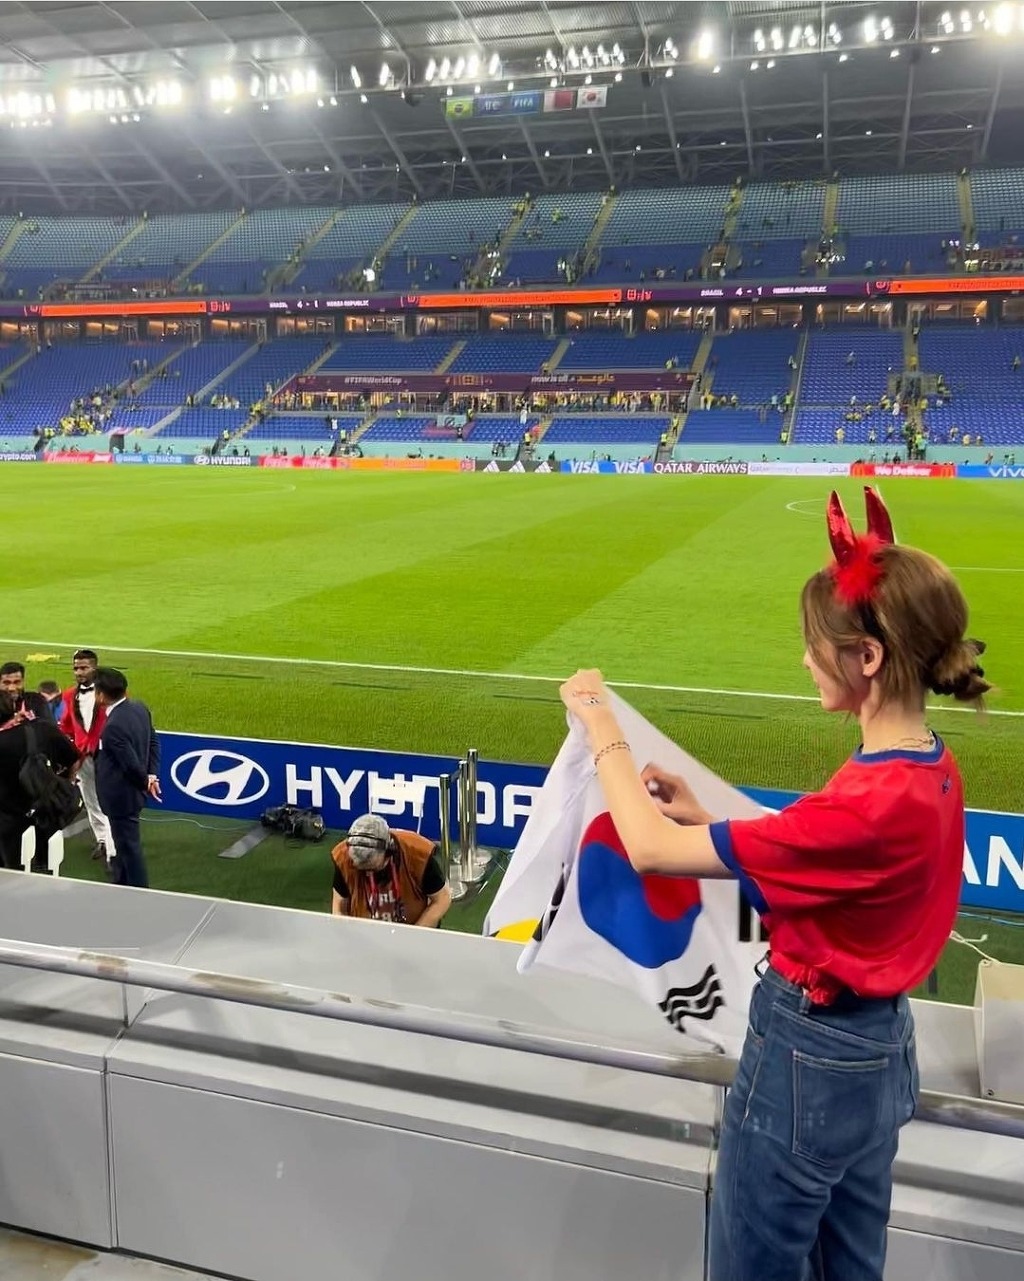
<point>958,674</point>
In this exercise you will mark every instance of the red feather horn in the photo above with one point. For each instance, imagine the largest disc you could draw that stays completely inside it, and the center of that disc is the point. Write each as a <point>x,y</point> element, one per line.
<point>857,568</point>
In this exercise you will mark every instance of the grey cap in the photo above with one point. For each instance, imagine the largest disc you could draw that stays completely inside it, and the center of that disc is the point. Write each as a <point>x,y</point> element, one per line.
<point>367,837</point>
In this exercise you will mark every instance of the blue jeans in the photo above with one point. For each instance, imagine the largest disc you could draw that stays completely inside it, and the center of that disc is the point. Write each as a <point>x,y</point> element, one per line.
<point>809,1133</point>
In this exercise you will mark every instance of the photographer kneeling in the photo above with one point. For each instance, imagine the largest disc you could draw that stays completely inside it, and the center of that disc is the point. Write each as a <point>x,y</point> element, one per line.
<point>385,875</point>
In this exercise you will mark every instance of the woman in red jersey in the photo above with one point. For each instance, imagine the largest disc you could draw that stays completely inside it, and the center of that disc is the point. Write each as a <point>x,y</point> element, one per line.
<point>858,885</point>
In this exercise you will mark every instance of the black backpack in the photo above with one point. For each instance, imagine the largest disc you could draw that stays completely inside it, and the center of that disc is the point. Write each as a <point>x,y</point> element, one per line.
<point>54,802</point>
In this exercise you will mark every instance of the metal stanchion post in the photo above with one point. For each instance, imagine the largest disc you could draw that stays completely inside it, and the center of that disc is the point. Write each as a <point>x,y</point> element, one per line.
<point>471,872</point>
<point>479,857</point>
<point>452,871</point>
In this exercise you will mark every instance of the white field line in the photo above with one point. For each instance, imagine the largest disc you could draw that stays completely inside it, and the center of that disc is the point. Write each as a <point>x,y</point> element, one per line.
<point>798,505</point>
<point>464,672</point>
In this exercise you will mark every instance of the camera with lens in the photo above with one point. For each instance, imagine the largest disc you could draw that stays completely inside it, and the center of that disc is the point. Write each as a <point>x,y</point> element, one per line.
<point>289,820</point>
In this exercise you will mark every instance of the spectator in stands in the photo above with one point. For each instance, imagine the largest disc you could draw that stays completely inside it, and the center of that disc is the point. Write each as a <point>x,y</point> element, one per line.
<point>851,357</point>
<point>388,875</point>
<point>840,435</point>
<point>1015,364</point>
<point>127,773</point>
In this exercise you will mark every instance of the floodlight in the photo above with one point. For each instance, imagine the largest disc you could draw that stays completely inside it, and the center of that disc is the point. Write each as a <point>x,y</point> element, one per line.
<point>446,68</point>
<point>460,67</point>
<point>473,65</point>
<point>357,79</point>
<point>602,55</point>
<point>870,30</point>
<point>572,57</point>
<point>705,44</point>
<point>511,85</point>
<point>759,41</point>
<point>770,64</point>
<point>494,66</point>
<point>1004,19</point>
<point>966,22</point>
<point>431,71</point>
<point>810,35</point>
<point>777,38</point>
<point>588,79</point>
<point>618,77</point>
<point>834,34</point>
<point>794,37</point>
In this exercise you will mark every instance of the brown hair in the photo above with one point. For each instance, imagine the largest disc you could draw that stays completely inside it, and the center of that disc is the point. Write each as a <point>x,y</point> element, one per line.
<point>919,615</point>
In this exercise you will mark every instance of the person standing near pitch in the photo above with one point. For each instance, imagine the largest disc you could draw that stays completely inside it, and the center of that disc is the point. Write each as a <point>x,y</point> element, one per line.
<point>82,722</point>
<point>858,885</point>
<point>127,765</point>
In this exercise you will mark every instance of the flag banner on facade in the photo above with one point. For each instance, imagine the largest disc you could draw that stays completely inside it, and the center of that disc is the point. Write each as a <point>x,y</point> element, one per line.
<point>687,948</point>
<point>458,108</point>
<point>592,96</point>
<point>559,99</point>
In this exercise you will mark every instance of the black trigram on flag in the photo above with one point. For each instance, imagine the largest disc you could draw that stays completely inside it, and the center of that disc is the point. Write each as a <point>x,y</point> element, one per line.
<point>746,925</point>
<point>548,919</point>
<point>701,1001</point>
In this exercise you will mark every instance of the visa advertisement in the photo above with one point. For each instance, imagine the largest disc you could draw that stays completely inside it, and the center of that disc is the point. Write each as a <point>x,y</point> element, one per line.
<point>241,777</point>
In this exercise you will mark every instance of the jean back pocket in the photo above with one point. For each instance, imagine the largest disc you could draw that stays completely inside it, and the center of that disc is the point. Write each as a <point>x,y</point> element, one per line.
<point>838,1106</point>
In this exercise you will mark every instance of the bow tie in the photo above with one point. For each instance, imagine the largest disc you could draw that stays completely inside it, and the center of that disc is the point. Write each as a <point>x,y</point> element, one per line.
<point>86,689</point>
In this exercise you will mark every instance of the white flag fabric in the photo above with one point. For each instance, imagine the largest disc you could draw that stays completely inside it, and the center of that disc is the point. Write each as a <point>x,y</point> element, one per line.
<point>686,947</point>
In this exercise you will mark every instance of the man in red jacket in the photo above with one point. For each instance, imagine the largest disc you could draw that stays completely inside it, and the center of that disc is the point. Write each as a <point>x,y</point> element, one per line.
<point>82,722</point>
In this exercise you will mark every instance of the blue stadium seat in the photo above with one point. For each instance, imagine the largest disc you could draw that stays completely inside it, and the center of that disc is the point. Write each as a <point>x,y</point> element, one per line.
<point>378,353</point>
<point>729,426</point>
<point>753,364</point>
<point>899,202</point>
<point>603,350</point>
<point>606,429</point>
<point>509,354</point>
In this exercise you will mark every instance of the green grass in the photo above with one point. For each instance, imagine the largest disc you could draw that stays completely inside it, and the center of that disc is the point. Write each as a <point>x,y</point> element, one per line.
<point>681,581</point>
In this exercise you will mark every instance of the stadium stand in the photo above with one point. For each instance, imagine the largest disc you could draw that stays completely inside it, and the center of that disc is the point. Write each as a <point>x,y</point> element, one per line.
<point>485,429</point>
<point>203,423</point>
<point>503,354</point>
<point>561,221</point>
<point>828,382</point>
<point>753,364</point>
<point>393,427</point>
<point>899,203</point>
<point>636,263</point>
<point>40,393</point>
<point>263,240</point>
<point>782,209</point>
<point>606,429</point>
<point>667,216</point>
<point>998,199</point>
<point>58,249</point>
<point>764,259</point>
<point>167,244</point>
<point>987,393</point>
<point>270,366</point>
<point>351,242</point>
<point>190,370</point>
<point>284,428</point>
<point>379,353</point>
<point>730,426</point>
<point>603,350</point>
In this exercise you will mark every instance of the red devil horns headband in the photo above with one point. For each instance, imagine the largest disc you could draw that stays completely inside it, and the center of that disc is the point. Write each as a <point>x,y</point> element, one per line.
<point>857,568</point>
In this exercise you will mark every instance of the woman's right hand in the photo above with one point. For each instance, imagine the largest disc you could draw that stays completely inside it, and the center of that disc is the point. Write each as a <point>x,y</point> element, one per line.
<point>674,797</point>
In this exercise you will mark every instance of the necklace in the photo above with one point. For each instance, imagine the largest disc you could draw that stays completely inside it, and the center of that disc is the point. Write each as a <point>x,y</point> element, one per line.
<point>924,744</point>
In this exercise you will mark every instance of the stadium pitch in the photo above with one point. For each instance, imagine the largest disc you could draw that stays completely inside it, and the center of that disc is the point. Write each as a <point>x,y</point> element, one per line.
<point>434,613</point>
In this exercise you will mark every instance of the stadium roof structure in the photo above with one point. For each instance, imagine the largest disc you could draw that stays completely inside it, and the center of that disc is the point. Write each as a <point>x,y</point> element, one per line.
<point>161,105</point>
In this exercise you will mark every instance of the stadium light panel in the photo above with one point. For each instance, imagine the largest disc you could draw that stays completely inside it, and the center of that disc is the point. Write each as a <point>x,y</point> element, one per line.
<point>476,88</point>
<point>754,65</point>
<point>947,23</point>
<point>870,30</point>
<point>572,57</point>
<point>810,36</point>
<point>553,82</point>
<point>795,36</point>
<point>705,45</point>
<point>669,73</point>
<point>472,65</point>
<point>618,77</point>
<point>445,69</point>
<point>759,41</point>
<point>494,65</point>
<point>894,53</point>
<point>511,86</point>
<point>844,57</point>
<point>333,100</point>
<point>254,86</point>
<point>586,57</point>
<point>714,70</point>
<point>617,53</point>
<point>603,56</point>
<point>770,64</point>
<point>431,71</point>
<point>834,34</point>
<point>363,99</point>
<point>385,75</point>
<point>966,22</point>
<point>887,29</point>
<point>588,79</point>
<point>777,39</point>
<point>1004,20</point>
<point>357,79</point>
<point>460,67</point>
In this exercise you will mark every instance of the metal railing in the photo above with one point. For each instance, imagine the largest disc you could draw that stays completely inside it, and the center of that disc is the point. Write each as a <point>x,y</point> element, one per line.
<point>957,1111</point>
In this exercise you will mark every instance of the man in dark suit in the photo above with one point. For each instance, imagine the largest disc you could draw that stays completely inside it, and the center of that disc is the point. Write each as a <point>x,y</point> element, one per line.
<point>127,763</point>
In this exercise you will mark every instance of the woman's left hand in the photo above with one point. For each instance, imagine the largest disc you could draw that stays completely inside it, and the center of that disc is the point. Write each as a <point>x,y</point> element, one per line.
<point>586,695</point>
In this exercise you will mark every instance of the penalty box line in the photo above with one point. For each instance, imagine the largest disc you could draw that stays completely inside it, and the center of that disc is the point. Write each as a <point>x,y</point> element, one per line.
<point>463,672</point>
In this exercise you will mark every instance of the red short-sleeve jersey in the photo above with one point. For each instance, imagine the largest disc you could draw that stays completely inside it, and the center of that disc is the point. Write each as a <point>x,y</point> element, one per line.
<point>859,883</point>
